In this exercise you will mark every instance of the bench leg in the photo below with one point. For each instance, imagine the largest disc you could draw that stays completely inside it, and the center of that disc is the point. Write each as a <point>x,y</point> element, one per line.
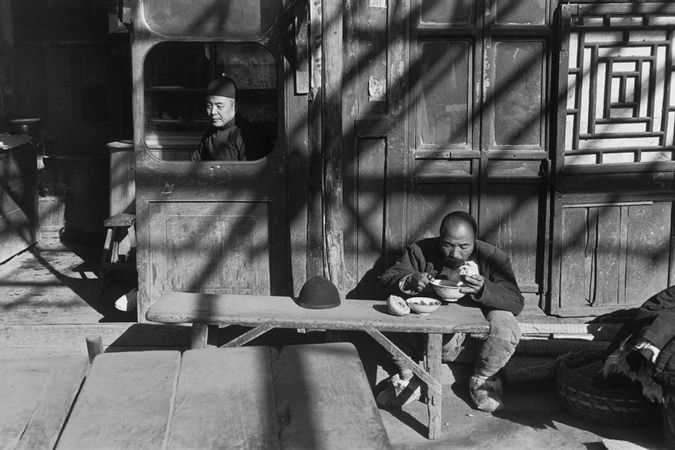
<point>248,336</point>
<point>430,375</point>
<point>434,394</point>
<point>200,335</point>
<point>105,260</point>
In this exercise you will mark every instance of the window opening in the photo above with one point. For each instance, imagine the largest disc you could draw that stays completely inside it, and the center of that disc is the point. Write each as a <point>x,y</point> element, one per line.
<point>176,77</point>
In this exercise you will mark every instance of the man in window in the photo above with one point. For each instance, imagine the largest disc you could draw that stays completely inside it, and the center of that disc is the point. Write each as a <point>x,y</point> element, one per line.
<point>488,282</point>
<point>230,137</point>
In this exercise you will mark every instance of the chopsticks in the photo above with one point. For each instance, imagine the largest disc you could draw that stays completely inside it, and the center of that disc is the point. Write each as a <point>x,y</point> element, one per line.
<point>430,271</point>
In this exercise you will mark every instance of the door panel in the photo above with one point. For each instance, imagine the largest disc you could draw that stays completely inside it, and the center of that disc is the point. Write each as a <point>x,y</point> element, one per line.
<point>613,255</point>
<point>214,247</point>
<point>430,202</point>
<point>614,160</point>
<point>513,211</point>
<point>365,199</point>
<point>444,108</point>
<point>475,134</point>
<point>519,102</point>
<point>513,222</point>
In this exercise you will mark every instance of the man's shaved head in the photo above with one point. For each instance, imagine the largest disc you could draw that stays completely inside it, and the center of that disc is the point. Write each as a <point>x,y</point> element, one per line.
<point>458,219</point>
<point>457,238</point>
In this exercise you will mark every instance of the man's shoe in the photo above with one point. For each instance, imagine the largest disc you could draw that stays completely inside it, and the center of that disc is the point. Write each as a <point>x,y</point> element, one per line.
<point>486,393</point>
<point>399,392</point>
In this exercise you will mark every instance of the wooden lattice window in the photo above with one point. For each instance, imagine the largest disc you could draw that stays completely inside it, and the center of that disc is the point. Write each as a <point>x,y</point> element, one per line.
<point>620,93</point>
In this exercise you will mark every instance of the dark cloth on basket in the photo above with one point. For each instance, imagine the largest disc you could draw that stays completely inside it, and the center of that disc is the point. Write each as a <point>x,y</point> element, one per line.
<point>653,322</point>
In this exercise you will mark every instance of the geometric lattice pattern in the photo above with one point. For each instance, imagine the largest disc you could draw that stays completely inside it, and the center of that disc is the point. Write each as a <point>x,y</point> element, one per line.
<point>620,89</point>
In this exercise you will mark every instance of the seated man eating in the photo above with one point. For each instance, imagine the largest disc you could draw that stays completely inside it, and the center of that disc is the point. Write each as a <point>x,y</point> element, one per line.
<point>493,289</point>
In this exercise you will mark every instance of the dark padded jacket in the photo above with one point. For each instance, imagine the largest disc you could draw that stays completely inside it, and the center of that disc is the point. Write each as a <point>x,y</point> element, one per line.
<point>500,290</point>
<point>238,140</point>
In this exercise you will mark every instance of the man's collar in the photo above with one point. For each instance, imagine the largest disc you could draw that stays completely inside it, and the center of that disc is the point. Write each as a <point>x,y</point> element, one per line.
<point>228,124</point>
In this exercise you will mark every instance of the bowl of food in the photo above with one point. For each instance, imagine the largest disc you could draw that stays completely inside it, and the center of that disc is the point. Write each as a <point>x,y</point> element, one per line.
<point>423,305</point>
<point>447,290</point>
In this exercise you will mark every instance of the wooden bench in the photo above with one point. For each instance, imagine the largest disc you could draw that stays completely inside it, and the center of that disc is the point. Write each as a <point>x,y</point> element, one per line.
<point>311,396</point>
<point>263,313</point>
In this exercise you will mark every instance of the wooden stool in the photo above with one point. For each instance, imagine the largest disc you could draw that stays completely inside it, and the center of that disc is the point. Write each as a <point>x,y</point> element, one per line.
<point>119,226</point>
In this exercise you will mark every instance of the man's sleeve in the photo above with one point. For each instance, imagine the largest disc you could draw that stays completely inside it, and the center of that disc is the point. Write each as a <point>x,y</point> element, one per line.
<point>196,155</point>
<point>410,262</point>
<point>239,144</point>
<point>500,290</point>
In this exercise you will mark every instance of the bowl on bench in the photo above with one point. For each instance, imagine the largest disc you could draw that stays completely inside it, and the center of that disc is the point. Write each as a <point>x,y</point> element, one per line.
<point>447,290</point>
<point>423,305</point>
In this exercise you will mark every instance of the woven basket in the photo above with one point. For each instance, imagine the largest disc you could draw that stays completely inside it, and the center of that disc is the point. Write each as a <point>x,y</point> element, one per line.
<point>522,368</point>
<point>619,406</point>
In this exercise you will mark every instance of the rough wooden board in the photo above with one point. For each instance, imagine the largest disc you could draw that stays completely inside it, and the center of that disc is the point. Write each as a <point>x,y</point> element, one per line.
<point>125,402</point>
<point>283,312</point>
<point>179,307</point>
<point>225,399</point>
<point>596,330</point>
<point>615,444</point>
<point>72,337</point>
<point>37,391</point>
<point>324,400</point>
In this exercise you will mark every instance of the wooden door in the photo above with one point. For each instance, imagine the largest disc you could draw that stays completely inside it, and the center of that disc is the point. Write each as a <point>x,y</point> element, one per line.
<point>453,115</point>
<point>210,226</point>
<point>614,161</point>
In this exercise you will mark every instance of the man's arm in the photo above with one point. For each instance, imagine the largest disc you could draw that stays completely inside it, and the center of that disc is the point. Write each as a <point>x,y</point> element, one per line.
<point>198,154</point>
<point>239,144</point>
<point>500,289</point>
<point>410,263</point>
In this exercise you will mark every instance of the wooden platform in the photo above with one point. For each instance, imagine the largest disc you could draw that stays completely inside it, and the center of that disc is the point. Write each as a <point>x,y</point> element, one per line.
<point>37,390</point>
<point>312,396</point>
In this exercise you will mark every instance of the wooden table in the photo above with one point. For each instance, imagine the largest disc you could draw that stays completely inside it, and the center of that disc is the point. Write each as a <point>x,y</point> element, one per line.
<point>264,313</point>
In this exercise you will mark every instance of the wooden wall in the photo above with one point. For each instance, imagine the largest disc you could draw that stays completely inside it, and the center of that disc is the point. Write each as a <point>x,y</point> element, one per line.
<point>411,110</point>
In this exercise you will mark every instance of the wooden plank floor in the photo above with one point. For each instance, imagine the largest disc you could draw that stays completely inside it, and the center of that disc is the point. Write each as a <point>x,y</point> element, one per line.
<point>56,284</point>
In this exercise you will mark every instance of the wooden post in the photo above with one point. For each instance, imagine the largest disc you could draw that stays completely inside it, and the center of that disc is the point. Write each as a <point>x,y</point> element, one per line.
<point>434,395</point>
<point>200,334</point>
<point>332,140</point>
<point>315,256</point>
<point>94,347</point>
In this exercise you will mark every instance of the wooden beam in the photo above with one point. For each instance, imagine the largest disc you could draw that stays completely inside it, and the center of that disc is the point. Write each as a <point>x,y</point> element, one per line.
<point>248,336</point>
<point>332,141</point>
<point>315,256</point>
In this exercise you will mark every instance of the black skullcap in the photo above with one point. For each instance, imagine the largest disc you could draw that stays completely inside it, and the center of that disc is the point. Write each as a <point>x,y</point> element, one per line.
<point>319,293</point>
<point>222,86</point>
